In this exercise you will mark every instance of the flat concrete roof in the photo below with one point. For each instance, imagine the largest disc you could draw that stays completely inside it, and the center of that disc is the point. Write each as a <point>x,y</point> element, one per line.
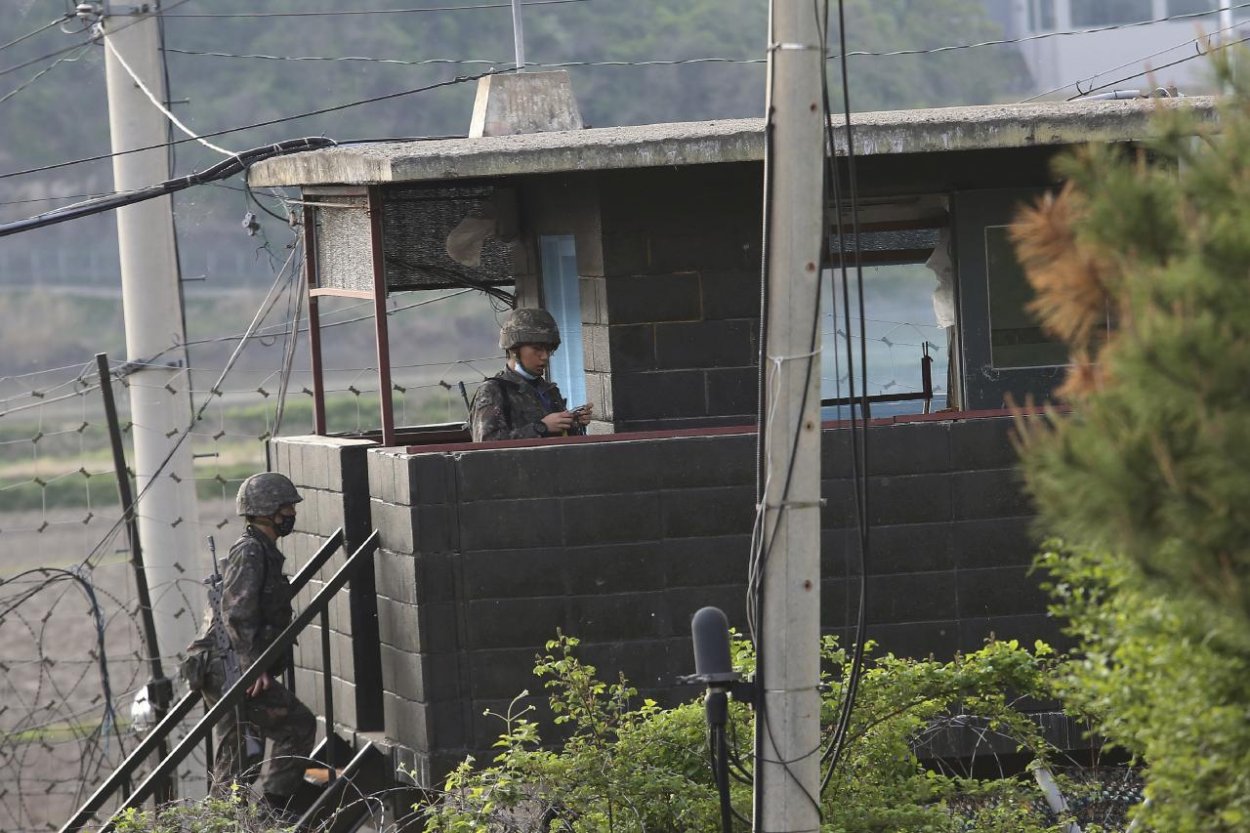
<point>696,143</point>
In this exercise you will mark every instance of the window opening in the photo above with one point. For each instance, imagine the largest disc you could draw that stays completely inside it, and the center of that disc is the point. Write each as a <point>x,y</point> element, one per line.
<point>562,297</point>
<point>901,328</point>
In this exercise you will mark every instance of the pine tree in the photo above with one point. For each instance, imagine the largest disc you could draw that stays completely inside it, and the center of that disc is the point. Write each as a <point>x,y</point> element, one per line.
<point>1142,266</point>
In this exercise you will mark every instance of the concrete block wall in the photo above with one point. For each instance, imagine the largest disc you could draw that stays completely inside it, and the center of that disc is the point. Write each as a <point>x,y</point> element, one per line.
<point>672,314</point>
<point>331,474</point>
<point>486,553</point>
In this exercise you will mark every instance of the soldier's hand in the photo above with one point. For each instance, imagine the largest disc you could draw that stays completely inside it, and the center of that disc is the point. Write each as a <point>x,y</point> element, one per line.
<point>558,422</point>
<point>262,684</point>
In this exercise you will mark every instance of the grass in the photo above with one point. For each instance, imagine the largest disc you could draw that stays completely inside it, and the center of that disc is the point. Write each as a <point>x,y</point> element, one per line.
<point>74,467</point>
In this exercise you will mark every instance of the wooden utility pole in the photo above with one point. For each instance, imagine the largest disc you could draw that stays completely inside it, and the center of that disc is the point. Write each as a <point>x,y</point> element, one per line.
<point>788,721</point>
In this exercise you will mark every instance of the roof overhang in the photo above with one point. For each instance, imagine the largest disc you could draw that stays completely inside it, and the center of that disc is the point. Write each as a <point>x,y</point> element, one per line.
<point>708,142</point>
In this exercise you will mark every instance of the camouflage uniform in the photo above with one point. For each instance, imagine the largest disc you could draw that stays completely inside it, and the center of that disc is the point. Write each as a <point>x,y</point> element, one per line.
<point>255,607</point>
<point>511,407</point>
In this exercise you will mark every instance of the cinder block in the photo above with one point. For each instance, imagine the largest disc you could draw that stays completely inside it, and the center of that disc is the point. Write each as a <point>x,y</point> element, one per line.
<point>698,562</point>
<point>921,498</point>
<point>632,347</point>
<point>708,512</point>
<point>1027,628</point>
<point>912,597</point>
<point>510,524</point>
<point>659,395</point>
<point>996,542</point>
<point>909,548</point>
<point>639,299</point>
<point>436,528</point>
<point>432,479</point>
<point>983,444</point>
<point>620,616</point>
<point>913,448</point>
<point>494,474</point>
<point>396,527</point>
<point>396,575</point>
<point>706,461</point>
<point>506,574</point>
<point>606,519</point>
<point>918,640</point>
<point>704,344</point>
<point>397,625</point>
<point>1000,591</point>
<point>499,675</point>
<point>615,568</point>
<point>514,623</point>
<point>422,677</point>
<point>731,293</point>
<point>992,493</point>
<point>438,628</point>
<point>733,392</point>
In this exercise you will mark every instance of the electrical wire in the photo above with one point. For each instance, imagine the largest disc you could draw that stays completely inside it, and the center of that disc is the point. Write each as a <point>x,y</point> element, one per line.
<point>31,34</point>
<point>340,13</point>
<point>460,79</point>
<point>1154,69</point>
<point>61,60</point>
<point>222,170</point>
<point>1196,42</point>
<point>859,450</point>
<point>46,57</point>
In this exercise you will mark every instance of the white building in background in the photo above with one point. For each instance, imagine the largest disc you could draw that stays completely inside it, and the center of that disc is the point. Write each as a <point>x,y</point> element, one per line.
<point>1102,59</point>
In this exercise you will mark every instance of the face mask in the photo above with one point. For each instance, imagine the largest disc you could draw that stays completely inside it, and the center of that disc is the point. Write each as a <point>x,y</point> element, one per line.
<point>285,525</point>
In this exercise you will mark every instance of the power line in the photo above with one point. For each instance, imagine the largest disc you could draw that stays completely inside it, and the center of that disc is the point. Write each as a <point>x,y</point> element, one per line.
<point>31,34</point>
<point>368,11</point>
<point>44,71</point>
<point>1153,69</point>
<point>53,54</point>
<point>701,60</point>
<point>459,79</point>
<point>1197,42</point>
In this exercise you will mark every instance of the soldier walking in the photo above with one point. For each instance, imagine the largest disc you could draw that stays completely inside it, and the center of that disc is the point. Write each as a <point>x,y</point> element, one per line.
<point>255,608</point>
<point>520,402</point>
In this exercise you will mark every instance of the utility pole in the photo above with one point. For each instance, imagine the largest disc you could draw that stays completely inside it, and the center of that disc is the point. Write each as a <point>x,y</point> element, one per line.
<point>788,721</point>
<point>160,395</point>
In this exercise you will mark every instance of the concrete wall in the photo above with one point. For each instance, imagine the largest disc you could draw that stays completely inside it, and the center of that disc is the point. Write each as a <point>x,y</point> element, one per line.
<point>331,475</point>
<point>675,312</point>
<point>486,553</point>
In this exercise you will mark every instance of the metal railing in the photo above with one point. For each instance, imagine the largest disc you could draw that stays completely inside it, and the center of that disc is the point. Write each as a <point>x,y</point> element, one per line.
<point>317,607</point>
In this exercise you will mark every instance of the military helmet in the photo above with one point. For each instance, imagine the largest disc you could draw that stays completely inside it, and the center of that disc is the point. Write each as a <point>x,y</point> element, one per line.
<point>528,325</point>
<point>261,495</point>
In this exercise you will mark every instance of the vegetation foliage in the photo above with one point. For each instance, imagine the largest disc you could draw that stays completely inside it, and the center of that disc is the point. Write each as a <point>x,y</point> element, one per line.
<point>1147,477</point>
<point>629,766</point>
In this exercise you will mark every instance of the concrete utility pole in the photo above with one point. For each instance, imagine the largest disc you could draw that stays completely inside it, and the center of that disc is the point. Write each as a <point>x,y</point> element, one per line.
<point>160,396</point>
<point>788,726</point>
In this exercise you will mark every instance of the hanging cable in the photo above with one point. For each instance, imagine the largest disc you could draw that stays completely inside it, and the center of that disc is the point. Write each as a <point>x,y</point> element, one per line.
<point>222,170</point>
<point>859,424</point>
<point>61,60</point>
<point>31,34</point>
<point>345,12</point>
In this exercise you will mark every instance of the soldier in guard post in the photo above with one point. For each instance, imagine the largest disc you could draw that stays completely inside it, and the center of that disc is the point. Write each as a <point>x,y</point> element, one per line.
<point>255,608</point>
<point>520,402</point>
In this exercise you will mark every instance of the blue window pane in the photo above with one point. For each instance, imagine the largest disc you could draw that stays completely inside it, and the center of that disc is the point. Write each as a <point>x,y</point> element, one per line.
<point>562,298</point>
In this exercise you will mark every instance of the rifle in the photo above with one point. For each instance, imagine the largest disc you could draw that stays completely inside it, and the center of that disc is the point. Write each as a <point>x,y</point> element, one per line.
<point>221,640</point>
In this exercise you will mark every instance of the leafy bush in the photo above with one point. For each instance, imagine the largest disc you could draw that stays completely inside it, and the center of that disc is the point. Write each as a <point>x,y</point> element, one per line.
<point>231,814</point>
<point>626,767</point>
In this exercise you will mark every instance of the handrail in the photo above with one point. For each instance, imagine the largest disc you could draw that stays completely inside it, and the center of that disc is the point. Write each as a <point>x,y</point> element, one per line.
<point>178,712</point>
